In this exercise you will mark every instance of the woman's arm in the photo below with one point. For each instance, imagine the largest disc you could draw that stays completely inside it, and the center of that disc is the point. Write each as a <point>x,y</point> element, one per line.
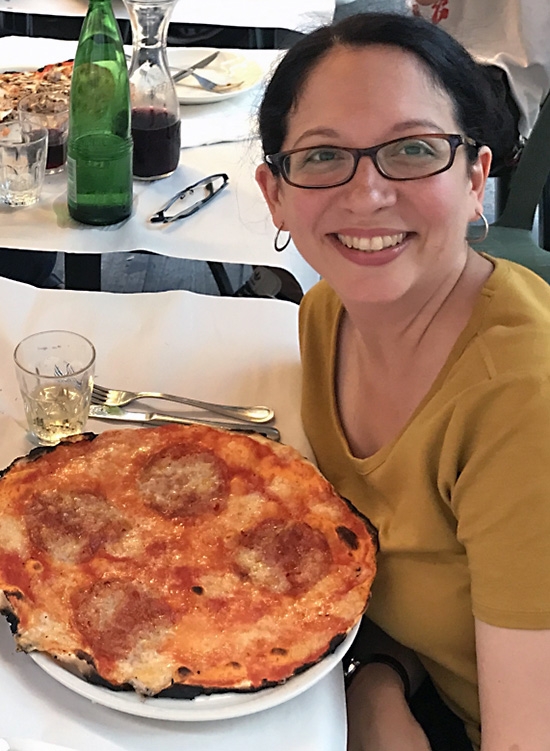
<point>379,718</point>
<point>514,687</point>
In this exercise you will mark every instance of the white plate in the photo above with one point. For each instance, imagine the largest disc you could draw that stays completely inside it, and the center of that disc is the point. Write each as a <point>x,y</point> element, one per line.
<point>27,744</point>
<point>228,67</point>
<point>202,708</point>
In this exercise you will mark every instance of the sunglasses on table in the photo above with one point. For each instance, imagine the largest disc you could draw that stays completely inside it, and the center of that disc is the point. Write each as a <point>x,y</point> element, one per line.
<point>409,158</point>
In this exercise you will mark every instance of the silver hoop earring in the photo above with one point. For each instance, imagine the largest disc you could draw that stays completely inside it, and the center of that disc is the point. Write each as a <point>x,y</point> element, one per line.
<point>276,245</point>
<point>484,233</point>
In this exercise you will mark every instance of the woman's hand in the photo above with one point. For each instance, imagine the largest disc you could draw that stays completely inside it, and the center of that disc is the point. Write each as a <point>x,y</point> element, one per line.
<point>379,718</point>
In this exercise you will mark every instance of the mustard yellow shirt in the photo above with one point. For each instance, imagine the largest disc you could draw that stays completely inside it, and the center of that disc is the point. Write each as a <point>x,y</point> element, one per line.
<point>461,498</point>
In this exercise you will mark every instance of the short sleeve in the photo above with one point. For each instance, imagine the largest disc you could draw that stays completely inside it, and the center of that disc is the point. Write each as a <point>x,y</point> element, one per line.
<point>501,498</point>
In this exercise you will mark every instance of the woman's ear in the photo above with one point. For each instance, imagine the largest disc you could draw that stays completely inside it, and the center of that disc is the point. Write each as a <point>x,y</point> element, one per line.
<point>479,172</point>
<point>271,188</point>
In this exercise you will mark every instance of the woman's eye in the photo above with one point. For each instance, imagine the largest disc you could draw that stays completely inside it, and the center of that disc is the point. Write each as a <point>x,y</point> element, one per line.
<point>320,156</point>
<point>414,149</point>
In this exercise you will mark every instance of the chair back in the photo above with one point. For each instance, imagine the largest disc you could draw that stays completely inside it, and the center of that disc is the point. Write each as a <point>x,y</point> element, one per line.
<point>511,234</point>
<point>530,175</point>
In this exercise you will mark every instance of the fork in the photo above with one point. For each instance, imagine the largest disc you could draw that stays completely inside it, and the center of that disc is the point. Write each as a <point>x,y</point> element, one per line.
<point>209,85</point>
<point>119,398</point>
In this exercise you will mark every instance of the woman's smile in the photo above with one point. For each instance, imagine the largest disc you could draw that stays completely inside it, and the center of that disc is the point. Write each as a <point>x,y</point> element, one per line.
<point>371,244</point>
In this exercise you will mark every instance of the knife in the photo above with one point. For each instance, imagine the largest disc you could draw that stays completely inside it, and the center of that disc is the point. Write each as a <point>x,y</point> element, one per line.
<point>102,412</point>
<point>201,64</point>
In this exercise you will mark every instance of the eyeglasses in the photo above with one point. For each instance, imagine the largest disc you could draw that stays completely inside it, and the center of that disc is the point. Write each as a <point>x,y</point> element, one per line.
<point>409,158</point>
<point>195,196</point>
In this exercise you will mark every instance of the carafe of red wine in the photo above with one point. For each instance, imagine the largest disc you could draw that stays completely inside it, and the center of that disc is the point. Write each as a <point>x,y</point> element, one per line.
<point>155,106</point>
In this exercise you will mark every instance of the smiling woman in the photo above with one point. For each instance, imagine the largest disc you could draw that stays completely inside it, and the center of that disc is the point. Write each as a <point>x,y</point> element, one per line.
<point>426,386</point>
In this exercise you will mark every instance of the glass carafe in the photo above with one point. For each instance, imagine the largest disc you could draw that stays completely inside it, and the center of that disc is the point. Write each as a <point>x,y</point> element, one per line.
<point>155,106</point>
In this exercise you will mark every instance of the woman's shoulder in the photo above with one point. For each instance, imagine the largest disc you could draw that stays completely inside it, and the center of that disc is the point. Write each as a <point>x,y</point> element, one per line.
<point>513,329</point>
<point>319,302</point>
<point>518,294</point>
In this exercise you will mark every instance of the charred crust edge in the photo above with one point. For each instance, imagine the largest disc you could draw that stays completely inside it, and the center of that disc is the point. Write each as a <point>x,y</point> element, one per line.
<point>371,529</point>
<point>188,692</point>
<point>39,451</point>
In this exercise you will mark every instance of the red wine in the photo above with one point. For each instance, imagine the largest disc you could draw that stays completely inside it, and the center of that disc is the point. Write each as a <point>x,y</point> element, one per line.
<point>57,150</point>
<point>157,142</point>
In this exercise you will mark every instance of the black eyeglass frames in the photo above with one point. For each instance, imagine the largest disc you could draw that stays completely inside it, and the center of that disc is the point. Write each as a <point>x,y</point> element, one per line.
<point>191,199</point>
<point>409,158</point>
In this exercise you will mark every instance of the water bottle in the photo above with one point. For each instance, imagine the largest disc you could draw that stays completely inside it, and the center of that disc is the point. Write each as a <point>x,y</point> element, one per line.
<point>99,149</point>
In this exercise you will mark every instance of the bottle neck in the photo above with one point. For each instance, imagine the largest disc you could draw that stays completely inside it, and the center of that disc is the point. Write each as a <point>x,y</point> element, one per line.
<point>149,21</point>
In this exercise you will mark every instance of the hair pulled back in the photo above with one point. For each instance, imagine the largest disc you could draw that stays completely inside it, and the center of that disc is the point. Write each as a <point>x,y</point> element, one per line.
<point>478,111</point>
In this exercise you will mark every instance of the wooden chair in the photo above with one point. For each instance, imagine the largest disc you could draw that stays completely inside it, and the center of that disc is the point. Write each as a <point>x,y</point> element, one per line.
<point>511,234</point>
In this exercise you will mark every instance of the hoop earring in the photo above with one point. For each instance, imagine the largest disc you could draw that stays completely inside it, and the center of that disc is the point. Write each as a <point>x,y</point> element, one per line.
<point>484,233</point>
<point>276,245</point>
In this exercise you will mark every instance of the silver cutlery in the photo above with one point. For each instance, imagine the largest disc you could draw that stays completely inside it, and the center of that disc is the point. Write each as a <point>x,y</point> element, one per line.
<point>205,83</point>
<point>200,64</point>
<point>119,398</point>
<point>218,88</point>
<point>104,412</point>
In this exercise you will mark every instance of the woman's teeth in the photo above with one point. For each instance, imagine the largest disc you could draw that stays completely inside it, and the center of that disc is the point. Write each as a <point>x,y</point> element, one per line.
<point>372,244</point>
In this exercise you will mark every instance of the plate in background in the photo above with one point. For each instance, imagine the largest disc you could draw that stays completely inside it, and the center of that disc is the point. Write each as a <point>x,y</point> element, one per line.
<point>228,67</point>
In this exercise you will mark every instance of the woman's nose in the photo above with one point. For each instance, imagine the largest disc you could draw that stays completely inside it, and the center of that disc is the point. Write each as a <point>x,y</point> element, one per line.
<point>368,184</point>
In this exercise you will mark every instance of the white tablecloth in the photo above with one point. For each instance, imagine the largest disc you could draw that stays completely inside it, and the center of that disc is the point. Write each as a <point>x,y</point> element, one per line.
<point>218,349</point>
<point>298,15</point>
<point>234,228</point>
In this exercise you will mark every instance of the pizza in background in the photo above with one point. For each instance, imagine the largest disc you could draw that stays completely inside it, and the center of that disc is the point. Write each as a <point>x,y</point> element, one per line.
<point>180,559</point>
<point>16,85</point>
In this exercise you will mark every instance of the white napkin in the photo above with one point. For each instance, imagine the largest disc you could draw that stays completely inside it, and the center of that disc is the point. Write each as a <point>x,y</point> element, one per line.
<point>225,349</point>
<point>228,120</point>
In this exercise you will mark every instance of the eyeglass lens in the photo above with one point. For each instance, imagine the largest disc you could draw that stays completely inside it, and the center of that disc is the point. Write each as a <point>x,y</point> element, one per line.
<point>403,159</point>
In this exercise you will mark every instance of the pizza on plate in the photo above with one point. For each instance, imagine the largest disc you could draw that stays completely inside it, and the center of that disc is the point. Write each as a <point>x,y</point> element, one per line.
<point>180,560</point>
<point>15,85</point>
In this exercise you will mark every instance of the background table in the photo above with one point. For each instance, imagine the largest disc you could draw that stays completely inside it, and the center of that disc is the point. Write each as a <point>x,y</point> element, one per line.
<point>296,15</point>
<point>234,228</point>
<point>214,348</point>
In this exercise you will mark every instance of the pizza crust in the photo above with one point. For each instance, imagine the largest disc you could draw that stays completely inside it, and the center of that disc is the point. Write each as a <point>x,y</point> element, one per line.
<point>180,560</point>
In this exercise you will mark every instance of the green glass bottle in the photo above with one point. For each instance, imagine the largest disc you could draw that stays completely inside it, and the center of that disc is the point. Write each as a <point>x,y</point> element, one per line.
<point>99,149</point>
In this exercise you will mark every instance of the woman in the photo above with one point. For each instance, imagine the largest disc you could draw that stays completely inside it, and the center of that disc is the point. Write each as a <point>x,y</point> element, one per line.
<point>426,393</point>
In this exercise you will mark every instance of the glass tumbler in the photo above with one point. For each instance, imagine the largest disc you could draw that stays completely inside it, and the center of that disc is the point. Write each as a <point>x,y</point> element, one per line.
<point>49,109</point>
<point>55,374</point>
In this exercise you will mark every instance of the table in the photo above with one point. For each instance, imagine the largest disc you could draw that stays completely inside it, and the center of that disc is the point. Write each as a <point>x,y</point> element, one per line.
<point>296,15</point>
<point>214,348</point>
<point>235,227</point>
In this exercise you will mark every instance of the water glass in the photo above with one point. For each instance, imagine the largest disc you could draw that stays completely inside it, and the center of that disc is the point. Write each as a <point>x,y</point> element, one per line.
<point>49,109</point>
<point>22,163</point>
<point>55,374</point>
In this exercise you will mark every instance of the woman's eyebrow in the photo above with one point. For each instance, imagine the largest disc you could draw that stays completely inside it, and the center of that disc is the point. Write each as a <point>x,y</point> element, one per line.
<point>421,126</point>
<point>329,132</point>
<point>428,126</point>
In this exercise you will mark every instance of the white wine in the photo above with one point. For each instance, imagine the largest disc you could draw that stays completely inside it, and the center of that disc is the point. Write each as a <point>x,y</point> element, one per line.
<point>56,412</point>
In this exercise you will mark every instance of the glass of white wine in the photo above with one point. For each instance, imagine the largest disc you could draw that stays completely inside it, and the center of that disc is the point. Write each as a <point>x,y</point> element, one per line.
<point>55,374</point>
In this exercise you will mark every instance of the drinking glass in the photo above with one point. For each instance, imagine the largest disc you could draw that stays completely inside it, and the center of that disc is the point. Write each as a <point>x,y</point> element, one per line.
<point>6,106</point>
<point>22,163</point>
<point>55,374</point>
<point>49,109</point>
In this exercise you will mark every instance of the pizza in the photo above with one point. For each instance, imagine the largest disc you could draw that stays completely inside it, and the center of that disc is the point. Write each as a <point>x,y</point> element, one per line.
<point>179,560</point>
<point>16,85</point>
